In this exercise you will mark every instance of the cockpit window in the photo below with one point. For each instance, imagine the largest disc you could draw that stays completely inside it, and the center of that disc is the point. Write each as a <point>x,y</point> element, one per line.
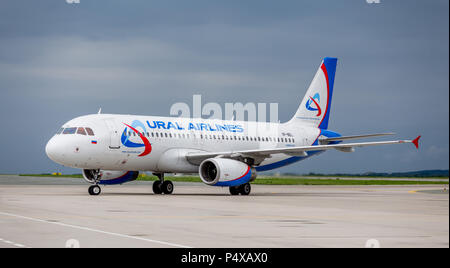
<point>81,131</point>
<point>89,131</point>
<point>70,130</point>
<point>59,131</point>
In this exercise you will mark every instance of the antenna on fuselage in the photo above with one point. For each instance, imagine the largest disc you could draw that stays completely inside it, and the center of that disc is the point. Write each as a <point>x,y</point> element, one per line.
<point>99,110</point>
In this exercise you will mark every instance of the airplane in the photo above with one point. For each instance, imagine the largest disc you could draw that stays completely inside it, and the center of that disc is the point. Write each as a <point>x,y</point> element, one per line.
<point>113,148</point>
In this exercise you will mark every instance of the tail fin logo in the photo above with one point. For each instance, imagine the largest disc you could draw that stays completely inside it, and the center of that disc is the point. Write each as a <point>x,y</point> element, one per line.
<point>316,101</point>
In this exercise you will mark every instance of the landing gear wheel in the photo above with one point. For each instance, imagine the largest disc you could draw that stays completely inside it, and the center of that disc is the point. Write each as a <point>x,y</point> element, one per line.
<point>167,187</point>
<point>157,187</point>
<point>245,189</point>
<point>94,190</point>
<point>234,190</point>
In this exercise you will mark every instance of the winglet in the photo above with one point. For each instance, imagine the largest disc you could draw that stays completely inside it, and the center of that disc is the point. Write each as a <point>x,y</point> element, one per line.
<point>416,141</point>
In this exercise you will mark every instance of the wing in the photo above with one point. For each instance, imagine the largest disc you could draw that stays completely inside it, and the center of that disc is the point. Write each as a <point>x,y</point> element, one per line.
<point>261,154</point>
<point>342,138</point>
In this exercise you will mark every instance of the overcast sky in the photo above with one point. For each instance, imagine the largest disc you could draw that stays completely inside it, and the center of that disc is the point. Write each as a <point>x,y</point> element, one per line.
<point>59,61</point>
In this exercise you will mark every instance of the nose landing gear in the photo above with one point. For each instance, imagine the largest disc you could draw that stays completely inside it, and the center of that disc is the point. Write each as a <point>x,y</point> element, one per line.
<point>94,190</point>
<point>96,176</point>
<point>161,186</point>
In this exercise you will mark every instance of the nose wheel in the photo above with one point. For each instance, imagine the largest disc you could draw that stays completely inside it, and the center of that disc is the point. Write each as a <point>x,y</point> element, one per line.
<point>161,186</point>
<point>94,190</point>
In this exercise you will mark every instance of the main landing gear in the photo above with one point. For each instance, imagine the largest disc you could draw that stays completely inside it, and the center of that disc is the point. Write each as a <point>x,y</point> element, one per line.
<point>161,186</point>
<point>243,189</point>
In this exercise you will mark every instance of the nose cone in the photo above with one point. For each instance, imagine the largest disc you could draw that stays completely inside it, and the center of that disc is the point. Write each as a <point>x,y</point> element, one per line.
<point>54,150</point>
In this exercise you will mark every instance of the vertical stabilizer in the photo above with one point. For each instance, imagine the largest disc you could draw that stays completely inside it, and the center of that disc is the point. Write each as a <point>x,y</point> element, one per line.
<point>314,110</point>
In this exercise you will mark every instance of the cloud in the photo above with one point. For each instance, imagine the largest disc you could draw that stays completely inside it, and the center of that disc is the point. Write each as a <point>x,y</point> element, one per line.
<point>59,61</point>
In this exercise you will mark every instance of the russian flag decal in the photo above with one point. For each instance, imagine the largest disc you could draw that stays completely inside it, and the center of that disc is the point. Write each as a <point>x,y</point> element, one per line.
<point>94,142</point>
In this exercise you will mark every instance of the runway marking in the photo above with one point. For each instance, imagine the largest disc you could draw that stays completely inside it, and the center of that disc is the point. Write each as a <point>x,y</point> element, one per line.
<point>412,192</point>
<point>12,243</point>
<point>94,230</point>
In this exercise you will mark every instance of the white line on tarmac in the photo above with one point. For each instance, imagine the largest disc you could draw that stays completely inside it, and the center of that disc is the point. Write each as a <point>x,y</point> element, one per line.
<point>95,230</point>
<point>12,243</point>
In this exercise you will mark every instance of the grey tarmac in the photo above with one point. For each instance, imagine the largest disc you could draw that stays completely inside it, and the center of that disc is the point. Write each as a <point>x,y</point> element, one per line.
<point>58,212</point>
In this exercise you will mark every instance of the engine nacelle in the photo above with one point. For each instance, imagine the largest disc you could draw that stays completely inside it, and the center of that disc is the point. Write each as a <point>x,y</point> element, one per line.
<point>225,172</point>
<point>110,177</point>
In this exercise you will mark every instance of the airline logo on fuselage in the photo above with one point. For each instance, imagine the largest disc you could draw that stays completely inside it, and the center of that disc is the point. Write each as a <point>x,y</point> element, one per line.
<point>127,143</point>
<point>316,106</point>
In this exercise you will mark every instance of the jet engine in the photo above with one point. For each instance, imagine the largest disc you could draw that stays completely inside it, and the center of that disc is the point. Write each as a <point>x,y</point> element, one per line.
<point>109,177</point>
<point>225,172</point>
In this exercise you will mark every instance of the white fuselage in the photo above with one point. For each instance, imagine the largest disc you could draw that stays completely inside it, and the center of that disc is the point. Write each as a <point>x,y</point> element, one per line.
<point>119,142</point>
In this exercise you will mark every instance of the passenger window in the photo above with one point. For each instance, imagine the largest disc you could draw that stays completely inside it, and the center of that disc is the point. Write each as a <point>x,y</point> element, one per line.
<point>89,131</point>
<point>81,131</point>
<point>70,130</point>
